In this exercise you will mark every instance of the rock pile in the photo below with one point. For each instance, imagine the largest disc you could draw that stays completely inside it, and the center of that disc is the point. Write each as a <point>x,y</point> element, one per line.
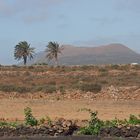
<point>133,131</point>
<point>64,127</point>
<point>119,93</point>
<point>59,128</point>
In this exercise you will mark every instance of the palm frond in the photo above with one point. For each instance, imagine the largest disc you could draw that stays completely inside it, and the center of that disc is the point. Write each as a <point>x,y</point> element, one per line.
<point>23,50</point>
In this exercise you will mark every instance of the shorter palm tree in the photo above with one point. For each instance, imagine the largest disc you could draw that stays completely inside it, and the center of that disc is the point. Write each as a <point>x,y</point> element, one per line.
<point>23,51</point>
<point>53,49</point>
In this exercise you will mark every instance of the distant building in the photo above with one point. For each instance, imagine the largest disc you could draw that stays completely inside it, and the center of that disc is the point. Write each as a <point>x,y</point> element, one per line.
<point>134,64</point>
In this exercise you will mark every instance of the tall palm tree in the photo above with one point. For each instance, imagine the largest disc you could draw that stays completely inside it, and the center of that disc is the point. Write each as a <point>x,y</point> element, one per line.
<point>53,49</point>
<point>23,51</point>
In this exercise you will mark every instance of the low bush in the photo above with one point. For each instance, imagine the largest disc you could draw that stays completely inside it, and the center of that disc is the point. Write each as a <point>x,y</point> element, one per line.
<point>90,87</point>
<point>13,88</point>
<point>8,124</point>
<point>115,67</point>
<point>134,120</point>
<point>62,89</point>
<point>103,70</point>
<point>49,89</point>
<point>95,124</point>
<point>45,88</point>
<point>29,118</point>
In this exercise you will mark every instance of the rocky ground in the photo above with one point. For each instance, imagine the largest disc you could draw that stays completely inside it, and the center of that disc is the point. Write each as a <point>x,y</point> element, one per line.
<point>59,128</point>
<point>67,128</point>
<point>107,93</point>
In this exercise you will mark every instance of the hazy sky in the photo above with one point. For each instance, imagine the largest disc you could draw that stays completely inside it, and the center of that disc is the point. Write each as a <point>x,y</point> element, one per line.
<point>78,22</point>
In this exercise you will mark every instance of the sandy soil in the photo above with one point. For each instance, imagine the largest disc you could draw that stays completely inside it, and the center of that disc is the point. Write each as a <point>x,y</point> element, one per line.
<point>69,109</point>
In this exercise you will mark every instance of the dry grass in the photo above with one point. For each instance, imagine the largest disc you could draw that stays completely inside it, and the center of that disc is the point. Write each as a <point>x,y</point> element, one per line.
<point>49,79</point>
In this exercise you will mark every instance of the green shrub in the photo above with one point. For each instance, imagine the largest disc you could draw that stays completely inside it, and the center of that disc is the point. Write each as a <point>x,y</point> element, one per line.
<point>8,124</point>
<point>133,120</point>
<point>94,126</point>
<point>29,118</point>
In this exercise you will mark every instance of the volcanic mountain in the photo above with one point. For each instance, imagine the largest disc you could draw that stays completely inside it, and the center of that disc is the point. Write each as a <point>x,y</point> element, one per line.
<point>107,54</point>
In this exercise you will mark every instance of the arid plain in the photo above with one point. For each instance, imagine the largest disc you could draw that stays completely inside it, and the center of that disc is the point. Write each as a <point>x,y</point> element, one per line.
<point>61,92</point>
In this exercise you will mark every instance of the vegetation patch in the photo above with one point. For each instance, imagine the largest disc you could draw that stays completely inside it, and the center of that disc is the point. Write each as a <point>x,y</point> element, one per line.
<point>29,118</point>
<point>89,87</point>
<point>13,88</point>
<point>95,125</point>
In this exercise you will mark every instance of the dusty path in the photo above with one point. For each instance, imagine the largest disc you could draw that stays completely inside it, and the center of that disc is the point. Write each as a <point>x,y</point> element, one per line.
<point>12,109</point>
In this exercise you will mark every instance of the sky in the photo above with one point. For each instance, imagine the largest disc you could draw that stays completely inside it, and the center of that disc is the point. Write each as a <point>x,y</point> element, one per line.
<point>75,22</point>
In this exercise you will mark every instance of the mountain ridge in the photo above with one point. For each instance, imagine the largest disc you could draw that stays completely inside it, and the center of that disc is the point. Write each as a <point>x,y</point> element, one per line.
<point>114,53</point>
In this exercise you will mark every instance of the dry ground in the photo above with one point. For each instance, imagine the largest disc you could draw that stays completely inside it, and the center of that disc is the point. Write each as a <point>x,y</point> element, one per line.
<point>119,97</point>
<point>69,109</point>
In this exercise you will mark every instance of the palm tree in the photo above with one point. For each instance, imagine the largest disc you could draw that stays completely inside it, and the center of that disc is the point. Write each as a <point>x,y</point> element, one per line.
<point>53,49</point>
<point>23,51</point>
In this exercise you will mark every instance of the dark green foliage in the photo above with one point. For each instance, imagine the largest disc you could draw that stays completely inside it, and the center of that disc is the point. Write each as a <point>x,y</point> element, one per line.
<point>23,51</point>
<point>29,118</point>
<point>134,120</point>
<point>9,124</point>
<point>95,124</point>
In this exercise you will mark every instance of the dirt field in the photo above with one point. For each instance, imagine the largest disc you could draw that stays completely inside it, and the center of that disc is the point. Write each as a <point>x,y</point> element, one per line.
<point>112,90</point>
<point>69,109</point>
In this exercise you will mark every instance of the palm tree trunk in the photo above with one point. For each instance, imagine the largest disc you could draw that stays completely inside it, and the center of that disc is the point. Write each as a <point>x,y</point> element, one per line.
<point>56,61</point>
<point>25,60</point>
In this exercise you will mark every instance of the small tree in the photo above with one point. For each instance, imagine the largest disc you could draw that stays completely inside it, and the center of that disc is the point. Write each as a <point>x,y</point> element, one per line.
<point>53,49</point>
<point>23,51</point>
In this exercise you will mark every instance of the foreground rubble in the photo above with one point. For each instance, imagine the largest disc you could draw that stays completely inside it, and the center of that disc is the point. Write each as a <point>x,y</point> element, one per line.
<point>63,127</point>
